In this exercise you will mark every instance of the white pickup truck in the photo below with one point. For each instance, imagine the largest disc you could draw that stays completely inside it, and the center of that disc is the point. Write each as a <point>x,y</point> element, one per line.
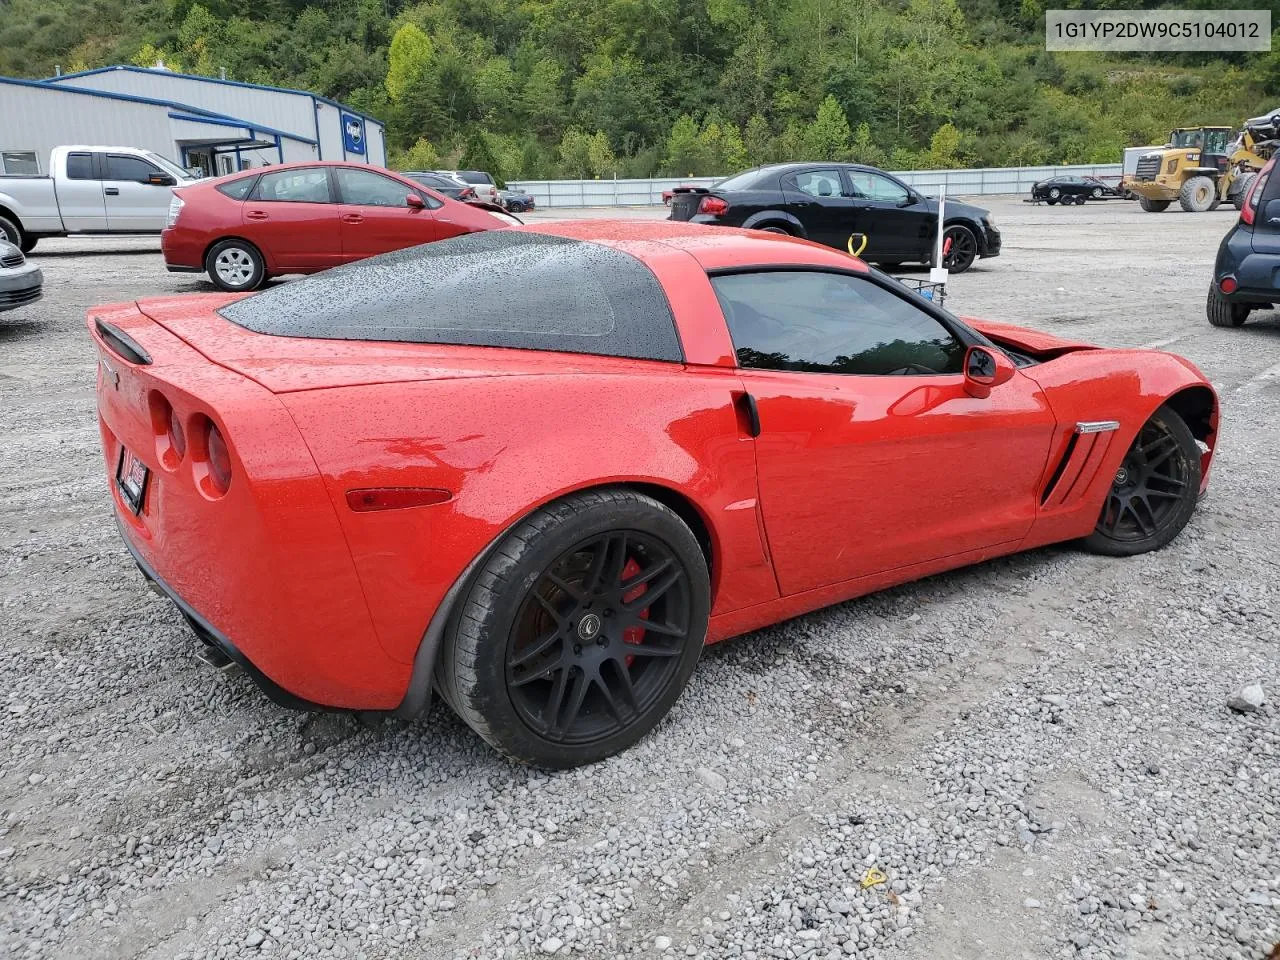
<point>90,190</point>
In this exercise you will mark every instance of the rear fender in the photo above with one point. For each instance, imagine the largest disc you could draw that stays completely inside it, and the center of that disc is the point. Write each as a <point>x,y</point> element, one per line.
<point>766,217</point>
<point>487,442</point>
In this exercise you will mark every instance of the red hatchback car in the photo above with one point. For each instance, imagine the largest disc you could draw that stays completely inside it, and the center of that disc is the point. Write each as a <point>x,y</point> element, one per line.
<point>303,218</point>
<point>538,469</point>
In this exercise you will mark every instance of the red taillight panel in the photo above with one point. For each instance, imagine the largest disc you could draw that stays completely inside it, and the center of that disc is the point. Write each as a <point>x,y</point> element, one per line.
<point>210,458</point>
<point>219,459</point>
<point>1249,209</point>
<point>714,206</point>
<point>1228,285</point>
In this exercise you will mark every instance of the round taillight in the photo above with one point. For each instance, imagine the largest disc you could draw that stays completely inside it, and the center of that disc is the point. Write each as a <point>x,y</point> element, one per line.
<point>219,459</point>
<point>177,437</point>
<point>1228,285</point>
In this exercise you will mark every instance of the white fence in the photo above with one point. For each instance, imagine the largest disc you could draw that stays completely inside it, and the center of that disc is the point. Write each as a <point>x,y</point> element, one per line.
<point>633,193</point>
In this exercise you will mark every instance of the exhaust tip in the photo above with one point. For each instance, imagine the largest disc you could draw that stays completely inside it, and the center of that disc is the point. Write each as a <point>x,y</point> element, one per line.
<point>216,658</point>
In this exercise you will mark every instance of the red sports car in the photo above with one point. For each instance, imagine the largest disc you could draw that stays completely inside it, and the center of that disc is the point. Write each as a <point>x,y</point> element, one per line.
<point>305,217</point>
<point>538,469</point>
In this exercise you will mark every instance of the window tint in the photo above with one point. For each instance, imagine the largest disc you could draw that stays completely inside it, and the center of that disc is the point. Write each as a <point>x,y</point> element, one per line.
<point>747,180</point>
<point>875,186</point>
<point>475,176</point>
<point>20,163</point>
<point>817,183</point>
<point>237,189</point>
<point>366,189</point>
<point>308,185</point>
<point>80,166</point>
<point>832,323</point>
<point>129,168</point>
<point>495,288</point>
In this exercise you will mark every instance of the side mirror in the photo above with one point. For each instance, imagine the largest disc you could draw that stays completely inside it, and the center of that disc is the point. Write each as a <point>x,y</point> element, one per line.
<point>162,180</point>
<point>985,368</point>
<point>414,202</point>
<point>908,201</point>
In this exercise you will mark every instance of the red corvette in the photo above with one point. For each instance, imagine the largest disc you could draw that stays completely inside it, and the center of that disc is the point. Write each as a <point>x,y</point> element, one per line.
<point>244,228</point>
<point>538,469</point>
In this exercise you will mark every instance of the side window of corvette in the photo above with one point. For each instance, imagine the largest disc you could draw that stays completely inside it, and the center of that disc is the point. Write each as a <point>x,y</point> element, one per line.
<point>814,322</point>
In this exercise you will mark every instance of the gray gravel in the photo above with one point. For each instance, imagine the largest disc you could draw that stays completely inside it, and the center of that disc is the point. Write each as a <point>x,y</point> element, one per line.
<point>1042,757</point>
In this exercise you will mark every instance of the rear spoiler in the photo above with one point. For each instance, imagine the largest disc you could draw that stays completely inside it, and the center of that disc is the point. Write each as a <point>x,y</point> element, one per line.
<point>690,190</point>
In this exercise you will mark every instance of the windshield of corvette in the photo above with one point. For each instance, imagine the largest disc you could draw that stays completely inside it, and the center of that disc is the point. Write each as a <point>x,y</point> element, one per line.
<point>499,288</point>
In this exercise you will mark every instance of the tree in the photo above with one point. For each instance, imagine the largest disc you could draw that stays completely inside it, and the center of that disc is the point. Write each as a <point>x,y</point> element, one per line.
<point>409,62</point>
<point>600,158</point>
<point>757,141</point>
<point>944,148</point>
<point>479,155</point>
<point>828,137</point>
<point>863,149</point>
<point>684,148</point>
<point>541,100</point>
<point>575,154</point>
<point>421,156</point>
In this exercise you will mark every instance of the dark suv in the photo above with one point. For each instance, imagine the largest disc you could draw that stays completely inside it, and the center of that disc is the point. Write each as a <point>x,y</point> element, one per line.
<point>1249,256</point>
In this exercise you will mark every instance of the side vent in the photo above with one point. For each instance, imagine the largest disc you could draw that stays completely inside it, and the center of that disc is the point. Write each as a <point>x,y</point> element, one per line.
<point>1086,448</point>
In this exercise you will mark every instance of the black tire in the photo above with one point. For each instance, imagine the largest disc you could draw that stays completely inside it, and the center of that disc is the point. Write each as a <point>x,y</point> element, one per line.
<point>1241,188</point>
<point>775,228</point>
<point>1198,194</point>
<point>1222,312</point>
<point>28,243</point>
<point>1155,490</point>
<point>1054,194</point>
<point>1153,206</point>
<point>11,232</point>
<point>235,266</point>
<point>529,643</point>
<point>1096,193</point>
<point>1051,202</point>
<point>1080,199</point>
<point>964,248</point>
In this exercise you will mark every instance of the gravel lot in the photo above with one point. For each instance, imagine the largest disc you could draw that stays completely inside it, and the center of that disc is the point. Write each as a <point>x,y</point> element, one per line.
<point>1037,753</point>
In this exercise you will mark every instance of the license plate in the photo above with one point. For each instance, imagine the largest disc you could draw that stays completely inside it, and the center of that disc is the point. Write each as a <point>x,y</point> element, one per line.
<point>131,478</point>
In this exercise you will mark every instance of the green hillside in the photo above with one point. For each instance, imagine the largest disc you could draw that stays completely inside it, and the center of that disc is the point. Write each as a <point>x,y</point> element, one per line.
<point>539,88</point>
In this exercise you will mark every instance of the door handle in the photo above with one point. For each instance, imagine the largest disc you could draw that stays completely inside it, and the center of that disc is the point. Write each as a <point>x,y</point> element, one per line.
<point>256,215</point>
<point>746,404</point>
<point>111,191</point>
<point>352,218</point>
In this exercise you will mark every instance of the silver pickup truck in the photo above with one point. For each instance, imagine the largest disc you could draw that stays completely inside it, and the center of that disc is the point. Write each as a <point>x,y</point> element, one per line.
<point>90,190</point>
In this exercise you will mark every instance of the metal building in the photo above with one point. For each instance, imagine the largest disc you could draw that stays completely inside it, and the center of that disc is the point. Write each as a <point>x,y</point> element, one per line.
<point>217,125</point>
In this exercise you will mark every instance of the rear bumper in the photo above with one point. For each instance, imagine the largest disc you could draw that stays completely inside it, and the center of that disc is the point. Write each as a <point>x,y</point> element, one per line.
<point>1258,274</point>
<point>183,251</point>
<point>210,635</point>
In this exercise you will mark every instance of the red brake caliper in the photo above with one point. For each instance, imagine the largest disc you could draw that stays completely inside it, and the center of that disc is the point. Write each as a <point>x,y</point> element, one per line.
<point>634,635</point>
<point>946,247</point>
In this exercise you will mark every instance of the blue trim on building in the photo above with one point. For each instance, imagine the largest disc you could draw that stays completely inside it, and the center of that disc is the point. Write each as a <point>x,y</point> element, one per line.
<point>194,76</point>
<point>187,112</point>
<point>244,125</point>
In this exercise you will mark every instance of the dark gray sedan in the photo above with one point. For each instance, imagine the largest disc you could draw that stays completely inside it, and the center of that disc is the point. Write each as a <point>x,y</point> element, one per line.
<point>20,281</point>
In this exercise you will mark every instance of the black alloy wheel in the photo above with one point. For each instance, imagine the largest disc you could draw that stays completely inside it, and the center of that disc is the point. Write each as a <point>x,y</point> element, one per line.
<point>963,251</point>
<point>599,637</point>
<point>581,629</point>
<point>1154,491</point>
<point>1096,193</point>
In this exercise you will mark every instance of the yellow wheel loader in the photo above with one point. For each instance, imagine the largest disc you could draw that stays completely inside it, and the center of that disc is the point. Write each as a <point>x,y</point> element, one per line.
<point>1201,166</point>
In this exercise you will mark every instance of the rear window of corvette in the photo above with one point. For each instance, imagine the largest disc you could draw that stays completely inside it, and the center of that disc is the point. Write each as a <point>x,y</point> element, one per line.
<point>500,288</point>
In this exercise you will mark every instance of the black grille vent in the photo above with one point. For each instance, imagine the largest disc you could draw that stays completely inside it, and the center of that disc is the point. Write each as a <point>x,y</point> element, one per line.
<point>12,260</point>
<point>1148,168</point>
<point>16,298</point>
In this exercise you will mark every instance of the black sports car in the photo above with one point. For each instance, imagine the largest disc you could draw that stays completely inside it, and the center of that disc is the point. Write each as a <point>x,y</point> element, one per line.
<point>829,202</point>
<point>517,201</point>
<point>1067,190</point>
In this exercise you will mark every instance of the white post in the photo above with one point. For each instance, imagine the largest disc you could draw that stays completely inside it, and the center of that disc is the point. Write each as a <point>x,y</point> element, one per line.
<point>938,273</point>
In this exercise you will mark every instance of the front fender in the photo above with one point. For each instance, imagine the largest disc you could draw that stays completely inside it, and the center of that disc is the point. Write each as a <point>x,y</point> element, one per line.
<point>1125,386</point>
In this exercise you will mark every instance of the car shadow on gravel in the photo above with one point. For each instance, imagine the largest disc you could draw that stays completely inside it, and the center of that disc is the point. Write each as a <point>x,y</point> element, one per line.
<point>38,255</point>
<point>17,329</point>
